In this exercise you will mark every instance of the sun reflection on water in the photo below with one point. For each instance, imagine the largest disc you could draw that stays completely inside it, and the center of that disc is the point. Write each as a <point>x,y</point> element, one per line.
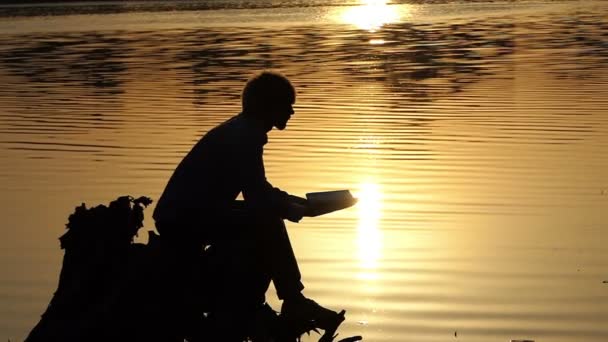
<point>369,237</point>
<point>371,14</point>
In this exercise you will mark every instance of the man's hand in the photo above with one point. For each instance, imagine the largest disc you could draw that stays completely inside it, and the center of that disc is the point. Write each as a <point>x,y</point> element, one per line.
<point>298,200</point>
<point>296,211</point>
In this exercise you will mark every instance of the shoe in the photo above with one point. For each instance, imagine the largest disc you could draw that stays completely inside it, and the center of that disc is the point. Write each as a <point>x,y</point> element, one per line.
<point>302,311</point>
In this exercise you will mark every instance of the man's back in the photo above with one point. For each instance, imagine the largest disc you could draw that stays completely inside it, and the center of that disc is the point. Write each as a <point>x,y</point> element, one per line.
<point>210,177</point>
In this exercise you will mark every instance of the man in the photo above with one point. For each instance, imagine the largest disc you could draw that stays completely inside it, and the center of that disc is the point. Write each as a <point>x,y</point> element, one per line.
<point>249,239</point>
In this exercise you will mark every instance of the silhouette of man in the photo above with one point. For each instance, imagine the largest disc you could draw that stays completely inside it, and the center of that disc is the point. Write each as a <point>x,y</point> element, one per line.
<point>248,238</point>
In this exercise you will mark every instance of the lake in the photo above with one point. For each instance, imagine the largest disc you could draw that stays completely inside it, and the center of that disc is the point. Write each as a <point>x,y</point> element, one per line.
<point>475,135</point>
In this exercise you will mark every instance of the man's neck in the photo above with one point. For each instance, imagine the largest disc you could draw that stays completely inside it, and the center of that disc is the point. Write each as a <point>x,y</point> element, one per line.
<point>266,126</point>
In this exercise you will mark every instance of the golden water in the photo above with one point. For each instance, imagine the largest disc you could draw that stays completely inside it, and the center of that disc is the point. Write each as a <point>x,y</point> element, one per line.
<point>475,136</point>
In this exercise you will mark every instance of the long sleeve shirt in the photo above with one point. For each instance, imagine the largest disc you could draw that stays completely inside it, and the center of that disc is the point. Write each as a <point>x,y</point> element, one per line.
<point>226,161</point>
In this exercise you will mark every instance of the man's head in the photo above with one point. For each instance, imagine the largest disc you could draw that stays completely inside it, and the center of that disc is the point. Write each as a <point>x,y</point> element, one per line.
<point>269,96</point>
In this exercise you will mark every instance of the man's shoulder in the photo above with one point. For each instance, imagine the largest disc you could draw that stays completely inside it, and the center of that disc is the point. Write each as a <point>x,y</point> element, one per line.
<point>238,130</point>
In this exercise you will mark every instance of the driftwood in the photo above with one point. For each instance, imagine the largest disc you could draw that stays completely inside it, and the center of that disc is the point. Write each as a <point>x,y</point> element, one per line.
<point>108,285</point>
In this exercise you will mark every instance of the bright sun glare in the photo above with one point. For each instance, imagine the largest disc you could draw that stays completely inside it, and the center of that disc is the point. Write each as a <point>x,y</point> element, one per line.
<point>371,14</point>
<point>369,238</point>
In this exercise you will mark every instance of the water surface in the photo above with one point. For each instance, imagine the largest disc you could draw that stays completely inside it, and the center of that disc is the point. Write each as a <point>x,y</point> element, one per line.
<point>476,136</point>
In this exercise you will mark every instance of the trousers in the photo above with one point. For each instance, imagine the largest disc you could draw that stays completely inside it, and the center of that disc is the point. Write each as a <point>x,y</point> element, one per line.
<point>224,266</point>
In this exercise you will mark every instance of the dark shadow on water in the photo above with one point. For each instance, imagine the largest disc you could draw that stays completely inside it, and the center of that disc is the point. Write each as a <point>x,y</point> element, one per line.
<point>416,63</point>
<point>405,65</point>
<point>405,56</point>
<point>82,61</point>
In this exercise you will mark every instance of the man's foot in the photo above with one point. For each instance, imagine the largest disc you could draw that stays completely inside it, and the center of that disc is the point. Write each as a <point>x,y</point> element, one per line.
<point>303,311</point>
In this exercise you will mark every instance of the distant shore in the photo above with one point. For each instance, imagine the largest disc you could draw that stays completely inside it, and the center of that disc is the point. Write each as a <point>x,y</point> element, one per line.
<point>265,3</point>
<point>32,8</point>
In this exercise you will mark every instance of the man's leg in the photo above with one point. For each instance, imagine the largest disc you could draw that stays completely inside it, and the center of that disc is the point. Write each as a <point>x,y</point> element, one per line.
<point>258,247</point>
<point>276,254</point>
<point>277,257</point>
<point>246,255</point>
<point>238,290</point>
<point>253,251</point>
<point>240,282</point>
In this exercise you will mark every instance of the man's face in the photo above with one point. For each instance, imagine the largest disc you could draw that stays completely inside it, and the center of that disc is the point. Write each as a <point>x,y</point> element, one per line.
<point>281,114</point>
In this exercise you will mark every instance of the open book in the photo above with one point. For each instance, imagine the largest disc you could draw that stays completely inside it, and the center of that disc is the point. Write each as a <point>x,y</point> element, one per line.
<point>324,202</point>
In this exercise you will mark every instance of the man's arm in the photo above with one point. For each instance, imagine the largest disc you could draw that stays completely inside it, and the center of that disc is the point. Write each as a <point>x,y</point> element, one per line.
<point>259,193</point>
